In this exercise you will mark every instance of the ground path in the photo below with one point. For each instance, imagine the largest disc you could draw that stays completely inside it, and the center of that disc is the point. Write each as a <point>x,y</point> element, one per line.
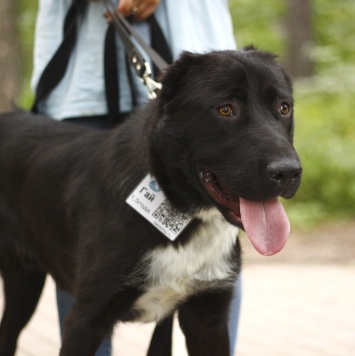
<point>300,302</point>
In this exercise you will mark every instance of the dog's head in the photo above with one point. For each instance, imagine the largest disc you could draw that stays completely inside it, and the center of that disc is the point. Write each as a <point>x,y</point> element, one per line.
<point>225,139</point>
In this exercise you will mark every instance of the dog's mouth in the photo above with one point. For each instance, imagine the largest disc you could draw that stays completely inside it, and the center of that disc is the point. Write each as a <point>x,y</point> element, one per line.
<point>229,202</point>
<point>265,222</point>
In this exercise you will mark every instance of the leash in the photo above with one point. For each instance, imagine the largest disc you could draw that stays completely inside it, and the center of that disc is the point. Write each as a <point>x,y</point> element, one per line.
<point>135,57</point>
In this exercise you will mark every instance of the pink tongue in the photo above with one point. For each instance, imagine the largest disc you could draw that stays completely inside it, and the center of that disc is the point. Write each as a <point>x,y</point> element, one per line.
<point>266,224</point>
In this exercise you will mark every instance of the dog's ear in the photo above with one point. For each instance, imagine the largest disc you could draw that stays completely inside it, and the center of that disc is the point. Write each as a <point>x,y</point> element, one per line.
<point>268,56</point>
<point>249,48</point>
<point>173,77</point>
<point>265,55</point>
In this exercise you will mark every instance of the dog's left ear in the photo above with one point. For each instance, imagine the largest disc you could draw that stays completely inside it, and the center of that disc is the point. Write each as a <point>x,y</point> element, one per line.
<point>249,48</point>
<point>268,56</point>
<point>173,77</point>
<point>252,48</point>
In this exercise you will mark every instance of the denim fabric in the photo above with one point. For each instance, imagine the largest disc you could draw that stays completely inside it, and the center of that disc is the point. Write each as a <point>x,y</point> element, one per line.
<point>64,303</point>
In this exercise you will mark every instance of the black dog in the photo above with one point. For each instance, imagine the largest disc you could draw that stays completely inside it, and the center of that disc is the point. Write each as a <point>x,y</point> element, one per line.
<point>218,139</point>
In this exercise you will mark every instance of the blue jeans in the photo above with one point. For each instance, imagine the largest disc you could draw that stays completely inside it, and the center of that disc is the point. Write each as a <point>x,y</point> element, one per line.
<point>234,314</point>
<point>64,303</point>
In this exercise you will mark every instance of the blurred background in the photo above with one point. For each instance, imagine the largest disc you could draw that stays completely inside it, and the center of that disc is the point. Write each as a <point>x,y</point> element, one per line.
<point>304,298</point>
<point>315,41</point>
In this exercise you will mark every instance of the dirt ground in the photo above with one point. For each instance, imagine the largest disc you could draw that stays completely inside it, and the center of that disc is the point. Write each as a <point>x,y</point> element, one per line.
<point>333,243</point>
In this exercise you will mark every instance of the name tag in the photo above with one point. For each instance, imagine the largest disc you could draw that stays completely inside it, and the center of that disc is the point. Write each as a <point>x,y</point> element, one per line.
<point>149,201</point>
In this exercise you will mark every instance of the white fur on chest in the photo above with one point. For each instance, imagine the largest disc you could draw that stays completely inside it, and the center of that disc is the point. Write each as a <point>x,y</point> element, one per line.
<point>175,273</point>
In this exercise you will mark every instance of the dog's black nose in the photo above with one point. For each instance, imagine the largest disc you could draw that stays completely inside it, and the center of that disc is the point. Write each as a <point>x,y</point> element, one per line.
<point>284,172</point>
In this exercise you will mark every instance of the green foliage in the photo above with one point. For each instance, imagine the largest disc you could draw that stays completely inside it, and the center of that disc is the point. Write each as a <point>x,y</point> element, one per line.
<point>325,139</point>
<point>259,24</point>
<point>26,24</point>
<point>334,33</point>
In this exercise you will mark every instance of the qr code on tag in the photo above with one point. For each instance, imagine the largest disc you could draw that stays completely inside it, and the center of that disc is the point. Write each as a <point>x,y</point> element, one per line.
<point>171,219</point>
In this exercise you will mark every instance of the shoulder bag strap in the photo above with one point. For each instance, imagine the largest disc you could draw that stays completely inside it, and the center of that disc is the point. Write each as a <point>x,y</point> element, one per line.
<point>55,69</point>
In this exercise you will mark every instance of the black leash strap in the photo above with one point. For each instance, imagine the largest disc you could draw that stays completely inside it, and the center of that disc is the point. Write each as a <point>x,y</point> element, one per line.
<point>128,35</point>
<point>56,68</point>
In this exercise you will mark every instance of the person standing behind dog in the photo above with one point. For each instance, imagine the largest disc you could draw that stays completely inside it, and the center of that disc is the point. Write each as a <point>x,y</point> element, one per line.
<point>80,95</point>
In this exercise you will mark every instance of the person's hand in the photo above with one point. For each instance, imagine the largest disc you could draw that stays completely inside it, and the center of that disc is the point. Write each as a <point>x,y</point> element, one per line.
<point>140,9</point>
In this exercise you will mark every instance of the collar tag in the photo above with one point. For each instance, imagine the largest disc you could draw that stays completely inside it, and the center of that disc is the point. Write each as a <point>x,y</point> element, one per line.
<point>150,201</point>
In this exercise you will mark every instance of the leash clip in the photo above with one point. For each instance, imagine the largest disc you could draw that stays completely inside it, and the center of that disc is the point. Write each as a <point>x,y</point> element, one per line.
<point>144,72</point>
<point>149,82</point>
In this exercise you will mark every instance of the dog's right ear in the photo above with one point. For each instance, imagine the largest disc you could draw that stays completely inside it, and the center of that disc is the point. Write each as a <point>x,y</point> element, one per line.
<point>249,47</point>
<point>173,76</point>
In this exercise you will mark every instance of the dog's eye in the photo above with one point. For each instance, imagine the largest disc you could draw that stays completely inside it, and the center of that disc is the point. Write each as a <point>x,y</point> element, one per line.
<point>284,108</point>
<point>225,110</point>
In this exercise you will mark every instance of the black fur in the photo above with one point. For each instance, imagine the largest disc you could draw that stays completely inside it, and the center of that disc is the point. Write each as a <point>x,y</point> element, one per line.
<point>63,190</point>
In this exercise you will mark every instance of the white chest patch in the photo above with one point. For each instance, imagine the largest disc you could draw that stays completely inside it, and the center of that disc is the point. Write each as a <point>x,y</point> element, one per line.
<point>175,273</point>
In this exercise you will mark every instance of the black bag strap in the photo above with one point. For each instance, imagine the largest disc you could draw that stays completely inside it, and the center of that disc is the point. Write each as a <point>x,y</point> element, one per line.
<point>111,76</point>
<point>56,68</point>
<point>159,44</point>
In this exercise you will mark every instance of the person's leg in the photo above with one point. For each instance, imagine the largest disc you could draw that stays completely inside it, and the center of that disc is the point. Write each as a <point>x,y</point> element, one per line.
<point>64,303</point>
<point>234,315</point>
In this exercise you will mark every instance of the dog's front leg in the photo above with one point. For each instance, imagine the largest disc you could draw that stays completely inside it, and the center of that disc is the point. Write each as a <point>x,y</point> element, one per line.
<point>93,317</point>
<point>204,322</point>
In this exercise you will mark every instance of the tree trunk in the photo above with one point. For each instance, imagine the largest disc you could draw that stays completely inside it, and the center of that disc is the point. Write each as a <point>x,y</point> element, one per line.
<point>9,54</point>
<point>299,36</point>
